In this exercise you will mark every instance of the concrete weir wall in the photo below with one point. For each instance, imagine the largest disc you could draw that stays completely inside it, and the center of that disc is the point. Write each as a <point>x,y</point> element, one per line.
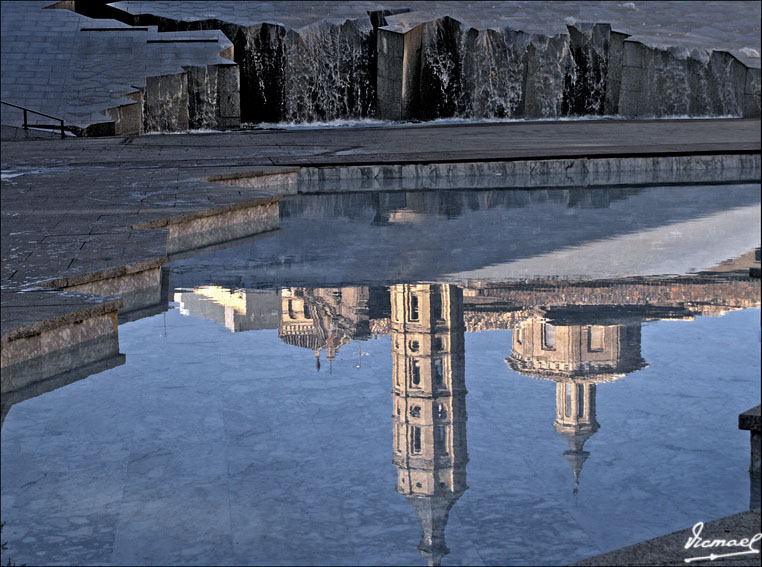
<point>399,64</point>
<point>396,67</point>
<point>444,68</point>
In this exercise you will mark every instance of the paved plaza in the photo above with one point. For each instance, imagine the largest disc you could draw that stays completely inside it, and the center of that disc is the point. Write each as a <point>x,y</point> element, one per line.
<point>90,211</point>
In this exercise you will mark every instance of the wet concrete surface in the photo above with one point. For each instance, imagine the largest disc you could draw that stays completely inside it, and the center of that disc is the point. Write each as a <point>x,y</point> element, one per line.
<point>68,205</point>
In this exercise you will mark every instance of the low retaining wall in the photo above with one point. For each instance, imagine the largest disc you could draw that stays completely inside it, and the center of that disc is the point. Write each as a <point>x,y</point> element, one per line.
<point>533,173</point>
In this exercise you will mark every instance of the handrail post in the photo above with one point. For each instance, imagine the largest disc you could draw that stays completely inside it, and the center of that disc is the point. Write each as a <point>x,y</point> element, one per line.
<point>62,129</point>
<point>26,127</point>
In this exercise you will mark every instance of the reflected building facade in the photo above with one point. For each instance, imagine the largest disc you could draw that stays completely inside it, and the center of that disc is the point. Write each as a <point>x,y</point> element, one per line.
<point>429,394</point>
<point>324,318</point>
<point>553,345</point>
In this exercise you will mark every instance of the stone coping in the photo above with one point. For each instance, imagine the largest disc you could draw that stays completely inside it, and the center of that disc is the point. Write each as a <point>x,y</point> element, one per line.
<point>161,223</point>
<point>750,419</point>
<point>36,311</point>
<point>105,274</point>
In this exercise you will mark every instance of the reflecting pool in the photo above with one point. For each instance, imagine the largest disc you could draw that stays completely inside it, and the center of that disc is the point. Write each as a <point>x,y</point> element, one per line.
<point>485,377</point>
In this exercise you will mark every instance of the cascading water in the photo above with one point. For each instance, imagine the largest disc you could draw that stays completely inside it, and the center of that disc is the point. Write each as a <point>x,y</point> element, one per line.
<point>320,72</point>
<point>326,74</point>
<point>328,71</point>
<point>585,81</point>
<point>495,71</point>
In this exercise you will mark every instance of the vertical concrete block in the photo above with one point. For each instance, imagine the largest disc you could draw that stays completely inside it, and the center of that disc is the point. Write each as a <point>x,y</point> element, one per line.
<point>389,73</point>
<point>751,99</point>
<point>411,73</point>
<point>166,103</point>
<point>633,54</point>
<point>614,72</point>
<point>228,96</point>
<point>727,83</point>
<point>547,61</point>
<point>202,97</point>
<point>128,118</point>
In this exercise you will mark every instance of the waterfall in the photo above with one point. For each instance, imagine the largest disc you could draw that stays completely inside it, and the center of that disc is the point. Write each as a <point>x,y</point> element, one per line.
<point>444,68</point>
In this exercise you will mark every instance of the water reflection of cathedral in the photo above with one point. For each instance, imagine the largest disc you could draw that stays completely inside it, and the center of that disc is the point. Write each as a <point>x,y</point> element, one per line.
<point>576,335</point>
<point>429,393</point>
<point>555,345</point>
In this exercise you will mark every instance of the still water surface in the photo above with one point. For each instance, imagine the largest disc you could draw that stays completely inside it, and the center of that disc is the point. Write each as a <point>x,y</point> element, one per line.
<point>500,377</point>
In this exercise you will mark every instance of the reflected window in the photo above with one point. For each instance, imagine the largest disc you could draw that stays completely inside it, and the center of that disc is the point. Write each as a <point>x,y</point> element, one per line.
<point>413,308</point>
<point>307,312</point>
<point>415,411</point>
<point>440,437</point>
<point>581,399</point>
<point>568,398</point>
<point>548,337</point>
<point>518,335</point>
<point>595,339</point>
<point>414,346</point>
<point>438,345</point>
<point>290,309</point>
<point>415,372</point>
<point>436,307</point>
<point>438,378</point>
<point>441,411</point>
<point>415,440</point>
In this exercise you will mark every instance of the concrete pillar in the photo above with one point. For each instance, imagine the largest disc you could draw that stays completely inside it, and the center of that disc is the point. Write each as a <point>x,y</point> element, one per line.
<point>411,73</point>
<point>166,103</point>
<point>228,96</point>
<point>751,421</point>
<point>398,85</point>
<point>632,79</point>
<point>128,118</point>
<point>751,97</point>
<point>390,47</point>
<point>614,72</point>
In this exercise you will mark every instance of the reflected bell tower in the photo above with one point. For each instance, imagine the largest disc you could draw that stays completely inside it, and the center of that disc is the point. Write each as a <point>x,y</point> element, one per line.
<point>429,395</point>
<point>554,345</point>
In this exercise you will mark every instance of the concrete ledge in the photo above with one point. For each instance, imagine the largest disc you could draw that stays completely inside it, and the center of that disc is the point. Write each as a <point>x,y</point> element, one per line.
<point>670,549</point>
<point>232,224</point>
<point>34,358</point>
<point>101,276</point>
<point>206,213</point>
<point>750,420</point>
<point>60,309</point>
<point>583,172</point>
<point>285,179</point>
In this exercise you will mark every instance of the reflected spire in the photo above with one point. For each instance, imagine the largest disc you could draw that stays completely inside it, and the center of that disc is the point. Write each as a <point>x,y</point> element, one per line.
<point>575,421</point>
<point>429,406</point>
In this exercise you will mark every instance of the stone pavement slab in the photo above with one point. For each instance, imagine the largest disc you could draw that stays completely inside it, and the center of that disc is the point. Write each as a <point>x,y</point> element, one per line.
<point>67,65</point>
<point>70,208</point>
<point>206,153</point>
<point>670,549</point>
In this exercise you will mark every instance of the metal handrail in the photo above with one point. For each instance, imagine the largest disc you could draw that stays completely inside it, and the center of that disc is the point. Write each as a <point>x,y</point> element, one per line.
<point>26,123</point>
